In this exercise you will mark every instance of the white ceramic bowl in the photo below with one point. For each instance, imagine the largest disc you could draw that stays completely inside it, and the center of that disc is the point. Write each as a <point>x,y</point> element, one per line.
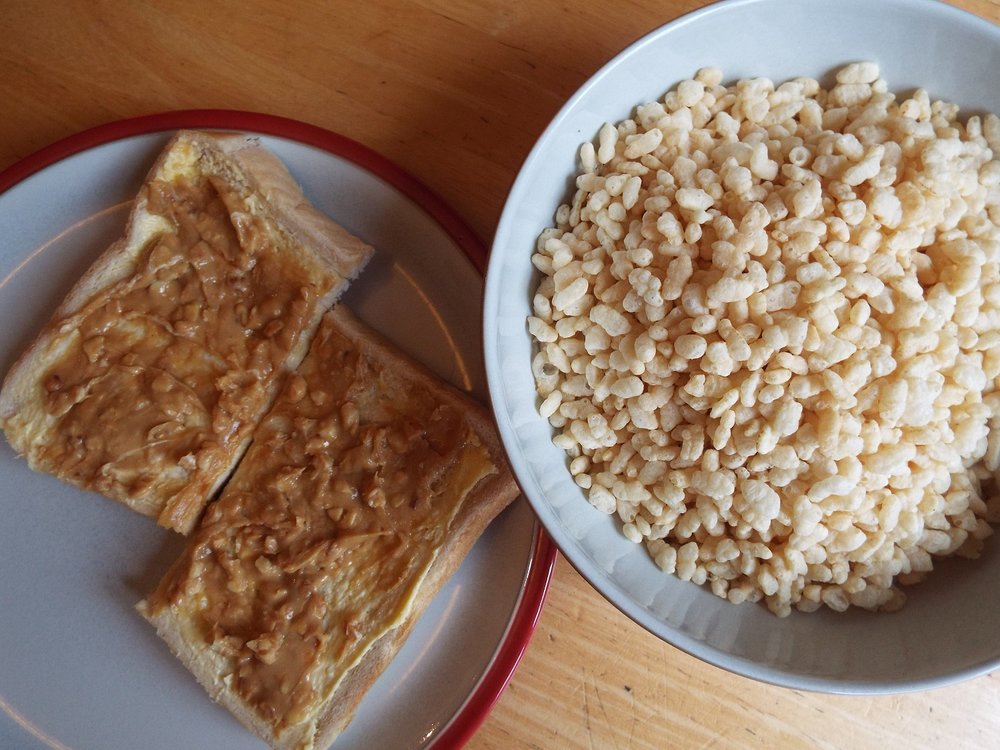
<point>950,627</point>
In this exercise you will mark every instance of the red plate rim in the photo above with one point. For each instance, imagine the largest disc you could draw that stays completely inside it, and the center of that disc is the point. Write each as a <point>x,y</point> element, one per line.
<point>498,674</point>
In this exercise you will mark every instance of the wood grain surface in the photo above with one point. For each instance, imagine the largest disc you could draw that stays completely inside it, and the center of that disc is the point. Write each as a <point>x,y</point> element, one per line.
<point>455,92</point>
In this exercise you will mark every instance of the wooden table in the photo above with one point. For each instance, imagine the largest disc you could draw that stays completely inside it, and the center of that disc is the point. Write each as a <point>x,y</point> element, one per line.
<point>455,92</point>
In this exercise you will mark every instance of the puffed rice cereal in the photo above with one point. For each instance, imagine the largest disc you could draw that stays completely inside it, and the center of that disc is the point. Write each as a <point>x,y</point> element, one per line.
<point>768,335</point>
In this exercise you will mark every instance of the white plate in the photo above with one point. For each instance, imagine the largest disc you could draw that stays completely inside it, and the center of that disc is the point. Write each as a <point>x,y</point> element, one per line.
<point>78,667</point>
<point>948,630</point>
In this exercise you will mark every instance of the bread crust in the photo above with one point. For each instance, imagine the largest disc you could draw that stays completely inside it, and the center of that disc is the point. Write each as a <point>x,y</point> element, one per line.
<point>241,162</point>
<point>480,506</point>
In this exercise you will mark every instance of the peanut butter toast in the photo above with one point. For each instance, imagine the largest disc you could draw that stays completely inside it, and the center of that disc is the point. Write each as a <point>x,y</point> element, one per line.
<point>150,377</point>
<point>364,488</point>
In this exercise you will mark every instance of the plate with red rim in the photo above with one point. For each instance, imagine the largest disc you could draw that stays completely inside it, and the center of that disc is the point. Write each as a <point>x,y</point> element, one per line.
<point>78,667</point>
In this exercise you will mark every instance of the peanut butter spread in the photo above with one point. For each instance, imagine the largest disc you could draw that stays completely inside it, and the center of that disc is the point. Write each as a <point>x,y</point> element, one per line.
<point>321,539</point>
<point>165,370</point>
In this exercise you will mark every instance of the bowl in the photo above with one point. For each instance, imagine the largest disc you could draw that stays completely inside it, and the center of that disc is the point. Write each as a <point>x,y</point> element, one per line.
<point>949,629</point>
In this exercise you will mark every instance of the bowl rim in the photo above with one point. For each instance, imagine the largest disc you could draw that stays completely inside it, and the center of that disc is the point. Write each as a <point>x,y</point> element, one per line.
<point>939,11</point>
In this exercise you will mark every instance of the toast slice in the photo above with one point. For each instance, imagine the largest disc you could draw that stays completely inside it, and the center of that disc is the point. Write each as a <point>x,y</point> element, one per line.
<point>150,377</point>
<point>364,488</point>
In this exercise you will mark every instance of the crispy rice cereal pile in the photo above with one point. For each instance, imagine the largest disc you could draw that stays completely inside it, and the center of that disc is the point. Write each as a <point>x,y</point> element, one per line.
<point>768,334</point>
